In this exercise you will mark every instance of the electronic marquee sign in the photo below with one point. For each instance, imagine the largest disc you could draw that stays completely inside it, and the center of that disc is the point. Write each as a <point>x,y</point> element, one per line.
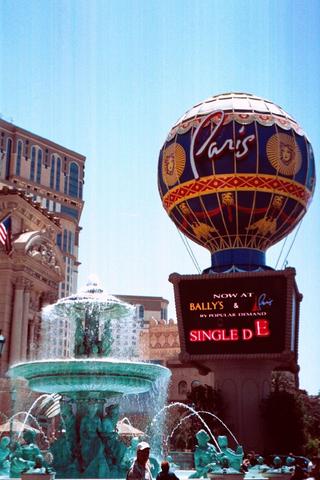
<point>237,313</point>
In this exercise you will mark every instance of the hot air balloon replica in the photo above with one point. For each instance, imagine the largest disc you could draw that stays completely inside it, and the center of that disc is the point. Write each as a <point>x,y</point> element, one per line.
<point>236,174</point>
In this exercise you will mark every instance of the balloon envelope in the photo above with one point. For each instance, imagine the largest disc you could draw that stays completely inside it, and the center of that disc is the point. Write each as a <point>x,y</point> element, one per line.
<point>236,173</point>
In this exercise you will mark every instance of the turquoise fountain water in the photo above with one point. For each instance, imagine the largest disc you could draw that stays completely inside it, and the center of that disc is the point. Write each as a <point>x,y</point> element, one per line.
<point>90,381</point>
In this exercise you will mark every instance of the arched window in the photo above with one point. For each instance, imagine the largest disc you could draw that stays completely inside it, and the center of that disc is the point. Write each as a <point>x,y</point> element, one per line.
<point>33,162</point>
<point>52,171</point>
<point>73,180</point>
<point>39,165</point>
<point>65,240</point>
<point>195,384</point>
<point>8,157</point>
<point>19,156</point>
<point>59,240</point>
<point>70,243</point>
<point>182,387</point>
<point>58,174</point>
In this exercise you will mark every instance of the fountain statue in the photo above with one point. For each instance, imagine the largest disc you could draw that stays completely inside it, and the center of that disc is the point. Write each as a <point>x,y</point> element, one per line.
<point>275,471</point>
<point>205,455</point>
<point>211,461</point>
<point>90,382</point>
<point>4,456</point>
<point>259,469</point>
<point>235,457</point>
<point>278,471</point>
<point>27,456</point>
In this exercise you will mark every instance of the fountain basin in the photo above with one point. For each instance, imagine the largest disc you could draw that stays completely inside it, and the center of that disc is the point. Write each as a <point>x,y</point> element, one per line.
<point>223,476</point>
<point>103,376</point>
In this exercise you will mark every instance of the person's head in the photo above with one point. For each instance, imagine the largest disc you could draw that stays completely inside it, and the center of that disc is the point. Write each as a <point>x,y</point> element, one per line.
<point>165,466</point>
<point>143,452</point>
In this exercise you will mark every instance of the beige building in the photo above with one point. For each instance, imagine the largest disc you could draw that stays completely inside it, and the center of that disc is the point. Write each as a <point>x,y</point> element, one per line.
<point>41,190</point>
<point>146,308</point>
<point>54,177</point>
<point>29,279</point>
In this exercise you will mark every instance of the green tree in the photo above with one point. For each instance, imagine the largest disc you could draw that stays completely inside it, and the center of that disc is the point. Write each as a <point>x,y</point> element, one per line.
<point>284,415</point>
<point>311,423</point>
<point>204,398</point>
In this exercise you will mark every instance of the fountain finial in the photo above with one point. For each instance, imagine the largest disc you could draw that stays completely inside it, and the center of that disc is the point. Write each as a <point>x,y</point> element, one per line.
<point>93,285</point>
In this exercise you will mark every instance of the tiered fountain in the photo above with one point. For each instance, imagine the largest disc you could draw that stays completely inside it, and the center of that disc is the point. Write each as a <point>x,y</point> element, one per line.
<point>91,384</point>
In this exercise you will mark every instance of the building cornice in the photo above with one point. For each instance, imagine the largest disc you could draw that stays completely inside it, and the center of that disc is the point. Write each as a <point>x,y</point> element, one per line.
<point>12,129</point>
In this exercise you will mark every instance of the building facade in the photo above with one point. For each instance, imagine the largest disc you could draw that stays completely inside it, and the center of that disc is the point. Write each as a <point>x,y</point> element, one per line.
<point>41,192</point>
<point>127,331</point>
<point>53,176</point>
<point>148,307</point>
<point>29,279</point>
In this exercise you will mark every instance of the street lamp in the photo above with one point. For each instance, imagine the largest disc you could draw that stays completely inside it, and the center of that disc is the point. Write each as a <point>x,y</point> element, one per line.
<point>2,342</point>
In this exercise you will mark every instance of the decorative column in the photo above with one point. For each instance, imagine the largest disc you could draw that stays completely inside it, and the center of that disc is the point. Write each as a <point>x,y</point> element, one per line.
<point>26,304</point>
<point>31,338</point>
<point>16,329</point>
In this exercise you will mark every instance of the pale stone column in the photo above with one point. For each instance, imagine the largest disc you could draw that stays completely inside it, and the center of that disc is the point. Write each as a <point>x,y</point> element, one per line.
<point>31,337</point>
<point>24,337</point>
<point>16,329</point>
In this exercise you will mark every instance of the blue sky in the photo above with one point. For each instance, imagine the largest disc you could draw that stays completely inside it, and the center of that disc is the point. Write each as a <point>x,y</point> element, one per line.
<point>108,79</point>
